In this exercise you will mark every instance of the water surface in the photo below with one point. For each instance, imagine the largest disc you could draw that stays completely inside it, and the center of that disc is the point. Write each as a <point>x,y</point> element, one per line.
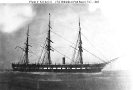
<point>106,80</point>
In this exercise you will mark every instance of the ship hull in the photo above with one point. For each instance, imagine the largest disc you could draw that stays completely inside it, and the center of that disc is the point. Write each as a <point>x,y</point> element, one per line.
<point>84,68</point>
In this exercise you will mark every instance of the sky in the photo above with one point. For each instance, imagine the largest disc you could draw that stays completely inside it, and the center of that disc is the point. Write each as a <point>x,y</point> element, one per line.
<point>106,27</point>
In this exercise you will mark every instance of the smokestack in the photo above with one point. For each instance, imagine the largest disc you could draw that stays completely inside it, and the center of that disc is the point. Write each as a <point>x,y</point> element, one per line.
<point>63,60</point>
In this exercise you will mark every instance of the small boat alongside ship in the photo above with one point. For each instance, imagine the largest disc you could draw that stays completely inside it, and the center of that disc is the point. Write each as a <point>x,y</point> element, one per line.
<point>78,65</point>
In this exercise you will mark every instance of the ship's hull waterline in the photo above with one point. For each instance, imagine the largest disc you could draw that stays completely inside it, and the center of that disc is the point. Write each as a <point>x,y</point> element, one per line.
<point>85,68</point>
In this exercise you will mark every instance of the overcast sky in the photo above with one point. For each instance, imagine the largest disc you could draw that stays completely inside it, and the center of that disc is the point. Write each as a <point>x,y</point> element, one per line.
<point>107,25</point>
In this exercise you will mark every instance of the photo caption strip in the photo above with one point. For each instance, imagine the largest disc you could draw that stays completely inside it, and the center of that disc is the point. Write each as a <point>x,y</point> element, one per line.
<point>63,1</point>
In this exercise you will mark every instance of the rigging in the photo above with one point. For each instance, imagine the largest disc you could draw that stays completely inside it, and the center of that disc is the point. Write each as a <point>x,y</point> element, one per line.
<point>74,44</point>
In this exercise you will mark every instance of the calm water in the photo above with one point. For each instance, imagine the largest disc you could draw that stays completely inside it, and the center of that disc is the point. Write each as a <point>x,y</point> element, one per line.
<point>107,80</point>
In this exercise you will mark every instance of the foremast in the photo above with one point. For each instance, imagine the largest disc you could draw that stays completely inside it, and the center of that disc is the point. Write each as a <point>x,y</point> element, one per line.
<point>80,45</point>
<point>78,50</point>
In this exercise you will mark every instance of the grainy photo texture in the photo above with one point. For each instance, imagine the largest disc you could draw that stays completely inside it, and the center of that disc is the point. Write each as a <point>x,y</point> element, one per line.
<point>65,46</point>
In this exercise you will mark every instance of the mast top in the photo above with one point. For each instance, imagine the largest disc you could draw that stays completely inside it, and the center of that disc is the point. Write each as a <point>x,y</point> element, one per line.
<point>49,17</point>
<point>28,31</point>
<point>79,21</point>
<point>79,26</point>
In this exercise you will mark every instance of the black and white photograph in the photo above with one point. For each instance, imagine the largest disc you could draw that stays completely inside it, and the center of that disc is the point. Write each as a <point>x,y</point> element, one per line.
<point>66,45</point>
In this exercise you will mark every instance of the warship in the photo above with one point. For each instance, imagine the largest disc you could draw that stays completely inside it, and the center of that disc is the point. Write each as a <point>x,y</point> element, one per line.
<point>46,65</point>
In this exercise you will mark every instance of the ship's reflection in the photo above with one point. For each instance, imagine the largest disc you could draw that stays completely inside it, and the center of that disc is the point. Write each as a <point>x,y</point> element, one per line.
<point>64,81</point>
<point>50,81</point>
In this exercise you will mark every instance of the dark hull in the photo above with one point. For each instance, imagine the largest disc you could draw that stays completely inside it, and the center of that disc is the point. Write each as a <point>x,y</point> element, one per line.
<point>85,68</point>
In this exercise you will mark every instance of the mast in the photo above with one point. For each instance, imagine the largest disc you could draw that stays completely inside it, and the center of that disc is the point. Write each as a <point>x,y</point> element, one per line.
<point>27,48</point>
<point>49,43</point>
<point>80,45</point>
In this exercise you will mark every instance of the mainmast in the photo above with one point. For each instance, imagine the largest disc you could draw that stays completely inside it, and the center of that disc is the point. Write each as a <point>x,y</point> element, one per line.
<point>80,45</point>
<point>49,43</point>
